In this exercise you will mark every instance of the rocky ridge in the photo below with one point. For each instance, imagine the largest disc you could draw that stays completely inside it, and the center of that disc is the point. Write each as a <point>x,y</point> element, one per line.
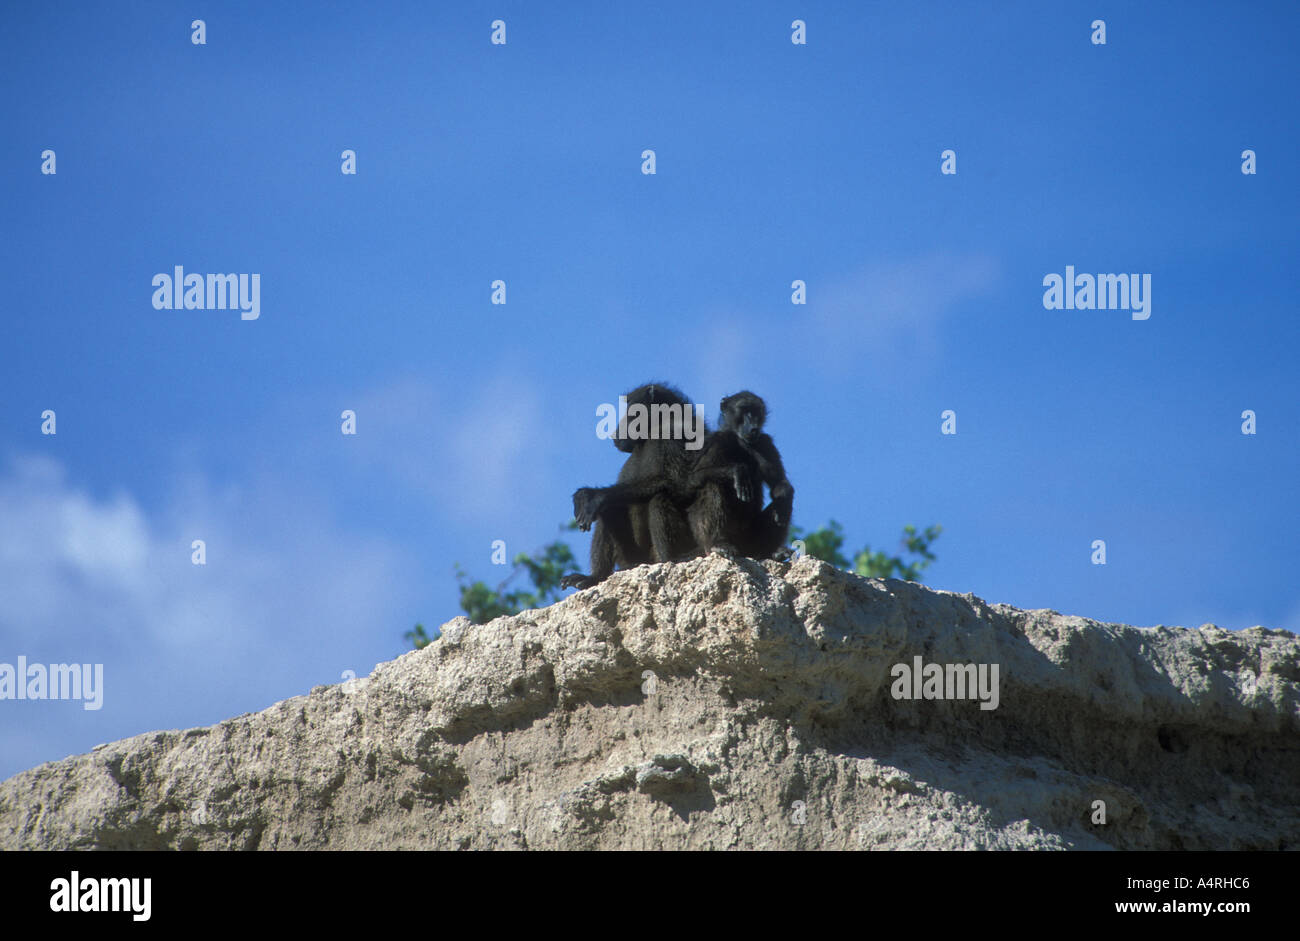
<point>715,704</point>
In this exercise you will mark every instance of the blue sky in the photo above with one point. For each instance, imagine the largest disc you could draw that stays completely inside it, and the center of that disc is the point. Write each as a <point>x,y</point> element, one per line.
<point>522,162</point>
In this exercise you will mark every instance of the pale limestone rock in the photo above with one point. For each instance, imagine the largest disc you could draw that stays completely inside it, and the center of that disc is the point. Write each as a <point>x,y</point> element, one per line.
<point>767,722</point>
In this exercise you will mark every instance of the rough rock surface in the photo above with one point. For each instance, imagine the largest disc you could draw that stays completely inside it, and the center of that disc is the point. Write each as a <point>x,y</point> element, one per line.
<point>717,704</point>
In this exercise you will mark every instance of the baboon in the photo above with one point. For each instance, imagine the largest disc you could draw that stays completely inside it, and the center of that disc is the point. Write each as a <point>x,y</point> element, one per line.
<point>726,511</point>
<point>637,520</point>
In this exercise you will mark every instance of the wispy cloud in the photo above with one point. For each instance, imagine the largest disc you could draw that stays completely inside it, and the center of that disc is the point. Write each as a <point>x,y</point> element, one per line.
<point>471,452</point>
<point>887,315</point>
<point>893,311</point>
<point>287,599</point>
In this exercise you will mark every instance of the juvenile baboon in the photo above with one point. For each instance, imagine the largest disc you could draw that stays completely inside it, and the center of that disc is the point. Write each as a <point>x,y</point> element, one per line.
<point>726,512</point>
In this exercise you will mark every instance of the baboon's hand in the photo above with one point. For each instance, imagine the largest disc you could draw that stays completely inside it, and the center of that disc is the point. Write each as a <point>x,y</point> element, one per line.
<point>586,507</point>
<point>744,493</point>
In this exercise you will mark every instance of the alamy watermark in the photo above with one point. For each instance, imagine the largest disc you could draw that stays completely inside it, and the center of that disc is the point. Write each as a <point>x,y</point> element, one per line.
<point>946,681</point>
<point>57,681</point>
<point>76,894</point>
<point>640,422</point>
<point>181,291</point>
<point>1098,292</point>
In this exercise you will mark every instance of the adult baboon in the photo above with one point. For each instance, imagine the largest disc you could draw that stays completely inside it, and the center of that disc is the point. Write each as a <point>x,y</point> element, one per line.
<point>637,520</point>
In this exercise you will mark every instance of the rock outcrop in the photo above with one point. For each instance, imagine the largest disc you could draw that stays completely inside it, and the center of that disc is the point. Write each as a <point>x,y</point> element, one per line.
<point>716,705</point>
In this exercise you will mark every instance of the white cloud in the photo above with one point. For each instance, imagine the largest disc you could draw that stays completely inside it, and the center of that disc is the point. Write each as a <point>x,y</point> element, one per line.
<point>474,455</point>
<point>892,311</point>
<point>105,542</point>
<point>885,318</point>
<point>288,599</point>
